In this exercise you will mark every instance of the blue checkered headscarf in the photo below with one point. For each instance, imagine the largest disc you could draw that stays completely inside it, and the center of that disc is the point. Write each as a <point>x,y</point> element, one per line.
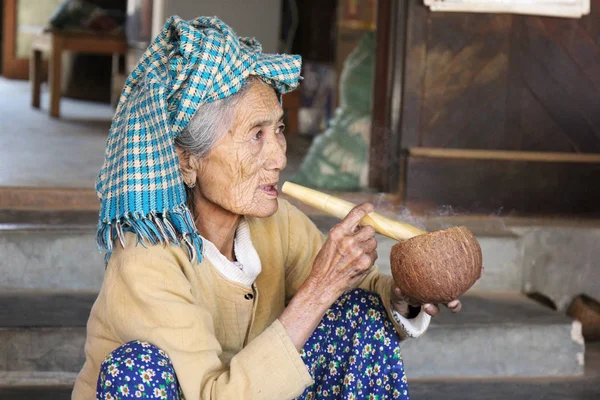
<point>189,63</point>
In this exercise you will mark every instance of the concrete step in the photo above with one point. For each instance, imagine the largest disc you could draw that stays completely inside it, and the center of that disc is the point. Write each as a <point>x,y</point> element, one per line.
<point>42,333</point>
<point>45,309</point>
<point>42,349</point>
<point>36,378</point>
<point>586,387</point>
<point>494,336</point>
<point>49,256</point>
<point>521,389</point>
<point>36,392</point>
<point>555,257</point>
<point>557,389</point>
<point>497,335</point>
<point>57,250</point>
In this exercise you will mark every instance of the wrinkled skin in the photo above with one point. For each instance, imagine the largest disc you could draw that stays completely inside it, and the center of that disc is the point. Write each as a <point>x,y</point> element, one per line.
<point>249,156</point>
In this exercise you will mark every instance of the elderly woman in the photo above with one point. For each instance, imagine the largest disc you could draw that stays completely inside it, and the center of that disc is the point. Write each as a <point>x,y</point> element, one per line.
<point>214,287</point>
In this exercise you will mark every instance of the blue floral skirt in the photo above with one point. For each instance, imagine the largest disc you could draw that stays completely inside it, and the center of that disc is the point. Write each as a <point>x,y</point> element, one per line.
<point>353,354</point>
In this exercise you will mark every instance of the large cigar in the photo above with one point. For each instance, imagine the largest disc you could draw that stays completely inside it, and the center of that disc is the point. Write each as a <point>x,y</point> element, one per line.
<point>340,208</point>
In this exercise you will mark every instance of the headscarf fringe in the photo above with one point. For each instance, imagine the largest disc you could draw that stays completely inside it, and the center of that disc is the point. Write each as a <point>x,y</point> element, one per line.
<point>153,229</point>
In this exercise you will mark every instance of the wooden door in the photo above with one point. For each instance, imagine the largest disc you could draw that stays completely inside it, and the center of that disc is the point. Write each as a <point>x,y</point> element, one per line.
<point>22,21</point>
<point>492,113</point>
<point>12,66</point>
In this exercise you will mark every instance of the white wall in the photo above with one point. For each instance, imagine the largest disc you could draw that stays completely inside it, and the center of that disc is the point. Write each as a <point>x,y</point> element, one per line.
<point>257,18</point>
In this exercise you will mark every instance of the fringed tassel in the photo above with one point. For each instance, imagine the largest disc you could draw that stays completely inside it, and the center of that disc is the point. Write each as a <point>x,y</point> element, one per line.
<point>174,227</point>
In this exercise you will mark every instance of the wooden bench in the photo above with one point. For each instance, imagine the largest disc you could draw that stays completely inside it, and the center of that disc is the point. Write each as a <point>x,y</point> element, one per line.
<point>54,43</point>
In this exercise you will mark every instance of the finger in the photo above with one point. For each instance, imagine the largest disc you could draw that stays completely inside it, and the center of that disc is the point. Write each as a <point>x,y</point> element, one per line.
<point>369,246</point>
<point>398,296</point>
<point>431,309</point>
<point>363,264</point>
<point>351,253</point>
<point>351,247</point>
<point>364,233</point>
<point>454,306</point>
<point>351,221</point>
<point>373,256</point>
<point>359,271</point>
<point>348,246</point>
<point>401,307</point>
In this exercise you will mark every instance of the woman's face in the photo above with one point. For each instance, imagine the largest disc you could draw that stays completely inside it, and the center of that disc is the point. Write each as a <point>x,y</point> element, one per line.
<point>241,173</point>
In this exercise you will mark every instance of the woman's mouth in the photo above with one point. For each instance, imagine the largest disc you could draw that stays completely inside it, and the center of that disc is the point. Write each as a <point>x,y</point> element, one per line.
<point>270,190</point>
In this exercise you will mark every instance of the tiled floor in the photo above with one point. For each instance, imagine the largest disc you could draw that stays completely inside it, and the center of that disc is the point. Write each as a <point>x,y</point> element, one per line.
<point>36,150</point>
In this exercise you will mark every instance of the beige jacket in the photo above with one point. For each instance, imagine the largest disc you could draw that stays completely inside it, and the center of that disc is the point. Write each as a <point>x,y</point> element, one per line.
<point>223,343</point>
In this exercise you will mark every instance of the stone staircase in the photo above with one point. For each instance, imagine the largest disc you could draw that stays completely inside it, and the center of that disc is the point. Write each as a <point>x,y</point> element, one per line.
<point>585,387</point>
<point>500,329</point>
<point>51,273</point>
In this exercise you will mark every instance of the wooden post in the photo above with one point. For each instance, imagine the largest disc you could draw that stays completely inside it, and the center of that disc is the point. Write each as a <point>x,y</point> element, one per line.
<point>380,110</point>
<point>55,75</point>
<point>35,75</point>
<point>402,179</point>
<point>384,151</point>
<point>115,81</point>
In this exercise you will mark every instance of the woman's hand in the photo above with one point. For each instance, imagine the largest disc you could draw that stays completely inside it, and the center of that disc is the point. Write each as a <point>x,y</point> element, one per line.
<point>400,303</point>
<point>341,264</point>
<point>345,258</point>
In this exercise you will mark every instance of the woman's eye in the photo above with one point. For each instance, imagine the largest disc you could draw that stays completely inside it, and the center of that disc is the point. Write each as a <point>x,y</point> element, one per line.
<point>280,128</point>
<point>257,136</point>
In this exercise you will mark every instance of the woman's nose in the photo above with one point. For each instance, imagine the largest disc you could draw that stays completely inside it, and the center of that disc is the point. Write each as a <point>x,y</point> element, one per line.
<point>276,153</point>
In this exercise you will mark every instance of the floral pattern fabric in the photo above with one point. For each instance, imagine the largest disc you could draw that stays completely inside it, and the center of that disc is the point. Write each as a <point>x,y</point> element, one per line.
<point>137,370</point>
<point>353,354</point>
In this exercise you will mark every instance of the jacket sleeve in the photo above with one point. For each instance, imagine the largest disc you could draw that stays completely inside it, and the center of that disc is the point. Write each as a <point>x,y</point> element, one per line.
<point>305,241</point>
<point>150,299</point>
<point>382,285</point>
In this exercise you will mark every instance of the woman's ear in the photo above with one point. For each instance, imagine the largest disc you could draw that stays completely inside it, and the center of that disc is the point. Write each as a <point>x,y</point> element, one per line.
<point>188,163</point>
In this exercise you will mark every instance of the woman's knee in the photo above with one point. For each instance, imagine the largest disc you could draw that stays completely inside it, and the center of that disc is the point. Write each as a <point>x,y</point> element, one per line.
<point>135,366</point>
<point>137,350</point>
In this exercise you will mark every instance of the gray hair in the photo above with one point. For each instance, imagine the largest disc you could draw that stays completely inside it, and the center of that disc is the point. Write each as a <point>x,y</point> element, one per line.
<point>210,122</point>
